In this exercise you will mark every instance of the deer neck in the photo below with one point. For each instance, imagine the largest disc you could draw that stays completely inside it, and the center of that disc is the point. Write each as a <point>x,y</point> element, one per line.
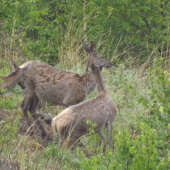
<point>90,81</point>
<point>99,81</point>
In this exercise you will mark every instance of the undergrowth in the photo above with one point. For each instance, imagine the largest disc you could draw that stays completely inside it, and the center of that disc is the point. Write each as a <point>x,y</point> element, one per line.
<point>140,130</point>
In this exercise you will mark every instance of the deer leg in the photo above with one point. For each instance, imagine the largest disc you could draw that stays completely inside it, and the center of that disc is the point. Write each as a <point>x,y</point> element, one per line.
<point>103,139</point>
<point>70,142</point>
<point>32,108</point>
<point>24,106</point>
<point>109,133</point>
<point>61,140</point>
<point>28,96</point>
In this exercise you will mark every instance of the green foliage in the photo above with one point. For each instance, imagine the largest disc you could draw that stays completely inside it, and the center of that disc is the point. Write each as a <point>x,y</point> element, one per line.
<point>157,117</point>
<point>143,23</point>
<point>137,152</point>
<point>159,96</point>
<point>131,152</point>
<point>91,127</point>
<point>48,30</point>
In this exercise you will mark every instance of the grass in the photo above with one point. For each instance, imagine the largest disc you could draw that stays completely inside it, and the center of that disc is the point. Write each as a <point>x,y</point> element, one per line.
<point>125,86</point>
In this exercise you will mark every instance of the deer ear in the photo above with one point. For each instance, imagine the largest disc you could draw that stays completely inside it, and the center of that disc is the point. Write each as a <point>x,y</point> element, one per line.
<point>14,64</point>
<point>92,47</point>
<point>86,47</point>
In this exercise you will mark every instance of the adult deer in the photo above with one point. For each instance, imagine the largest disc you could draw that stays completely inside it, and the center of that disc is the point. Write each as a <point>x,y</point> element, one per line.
<point>40,81</point>
<point>71,123</point>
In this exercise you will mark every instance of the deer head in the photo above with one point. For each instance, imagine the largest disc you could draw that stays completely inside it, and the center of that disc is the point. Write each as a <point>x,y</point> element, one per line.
<point>13,79</point>
<point>97,58</point>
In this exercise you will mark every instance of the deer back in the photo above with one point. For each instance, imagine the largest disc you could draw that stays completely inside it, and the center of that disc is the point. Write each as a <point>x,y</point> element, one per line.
<point>73,120</point>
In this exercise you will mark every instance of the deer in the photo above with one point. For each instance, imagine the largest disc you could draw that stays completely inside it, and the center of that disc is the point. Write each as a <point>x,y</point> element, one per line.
<point>40,81</point>
<point>72,123</point>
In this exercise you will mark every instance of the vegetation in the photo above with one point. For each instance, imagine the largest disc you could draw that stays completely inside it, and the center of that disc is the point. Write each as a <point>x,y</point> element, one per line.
<point>134,35</point>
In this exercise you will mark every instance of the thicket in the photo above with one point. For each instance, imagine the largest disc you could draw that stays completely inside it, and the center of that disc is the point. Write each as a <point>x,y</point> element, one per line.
<point>127,32</point>
<point>51,30</point>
